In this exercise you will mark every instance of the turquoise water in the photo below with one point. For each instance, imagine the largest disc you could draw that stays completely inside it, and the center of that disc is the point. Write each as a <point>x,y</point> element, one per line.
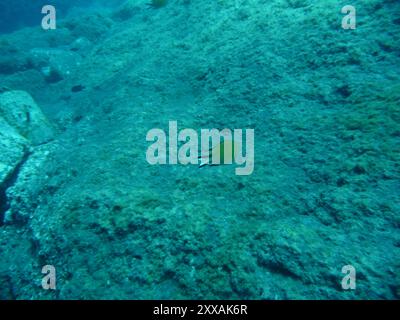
<point>78,193</point>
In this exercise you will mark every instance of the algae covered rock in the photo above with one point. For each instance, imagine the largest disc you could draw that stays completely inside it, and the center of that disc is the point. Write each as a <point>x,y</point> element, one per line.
<point>12,149</point>
<point>12,60</point>
<point>54,64</point>
<point>20,111</point>
<point>127,10</point>
<point>81,45</point>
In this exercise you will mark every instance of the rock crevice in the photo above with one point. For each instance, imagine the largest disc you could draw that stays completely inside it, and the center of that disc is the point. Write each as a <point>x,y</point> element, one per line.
<point>22,126</point>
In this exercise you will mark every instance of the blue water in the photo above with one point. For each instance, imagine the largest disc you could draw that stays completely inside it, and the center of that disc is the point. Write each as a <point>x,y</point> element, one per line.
<point>23,13</point>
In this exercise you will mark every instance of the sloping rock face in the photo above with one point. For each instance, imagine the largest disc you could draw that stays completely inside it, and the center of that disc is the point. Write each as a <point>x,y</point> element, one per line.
<point>27,12</point>
<point>324,103</point>
<point>22,113</point>
<point>12,149</point>
<point>23,126</point>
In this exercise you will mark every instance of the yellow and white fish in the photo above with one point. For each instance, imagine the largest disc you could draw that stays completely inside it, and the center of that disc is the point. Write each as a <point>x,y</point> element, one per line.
<point>224,152</point>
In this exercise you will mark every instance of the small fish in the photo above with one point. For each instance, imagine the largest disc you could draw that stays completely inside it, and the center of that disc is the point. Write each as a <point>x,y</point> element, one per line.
<point>77,88</point>
<point>156,4</point>
<point>216,156</point>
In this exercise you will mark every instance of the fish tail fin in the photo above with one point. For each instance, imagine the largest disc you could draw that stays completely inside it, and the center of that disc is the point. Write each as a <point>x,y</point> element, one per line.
<point>203,162</point>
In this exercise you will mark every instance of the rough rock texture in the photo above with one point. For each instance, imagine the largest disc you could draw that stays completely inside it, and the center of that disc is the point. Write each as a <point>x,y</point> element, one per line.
<point>21,112</point>
<point>28,12</point>
<point>12,150</point>
<point>324,103</point>
<point>54,64</point>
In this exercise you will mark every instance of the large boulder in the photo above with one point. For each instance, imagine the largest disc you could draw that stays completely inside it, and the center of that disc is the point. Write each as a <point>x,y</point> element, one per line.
<point>13,148</point>
<point>54,64</point>
<point>21,113</point>
<point>127,10</point>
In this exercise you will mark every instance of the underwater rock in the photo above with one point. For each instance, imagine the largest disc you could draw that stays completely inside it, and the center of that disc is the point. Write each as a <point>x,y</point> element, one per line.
<point>11,59</point>
<point>4,89</point>
<point>22,113</point>
<point>54,64</point>
<point>9,65</point>
<point>158,3</point>
<point>90,26</point>
<point>126,11</point>
<point>320,100</point>
<point>12,150</point>
<point>81,45</point>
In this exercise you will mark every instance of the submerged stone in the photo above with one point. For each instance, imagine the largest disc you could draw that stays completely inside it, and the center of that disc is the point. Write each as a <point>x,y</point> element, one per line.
<point>54,64</point>
<point>12,149</point>
<point>20,111</point>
